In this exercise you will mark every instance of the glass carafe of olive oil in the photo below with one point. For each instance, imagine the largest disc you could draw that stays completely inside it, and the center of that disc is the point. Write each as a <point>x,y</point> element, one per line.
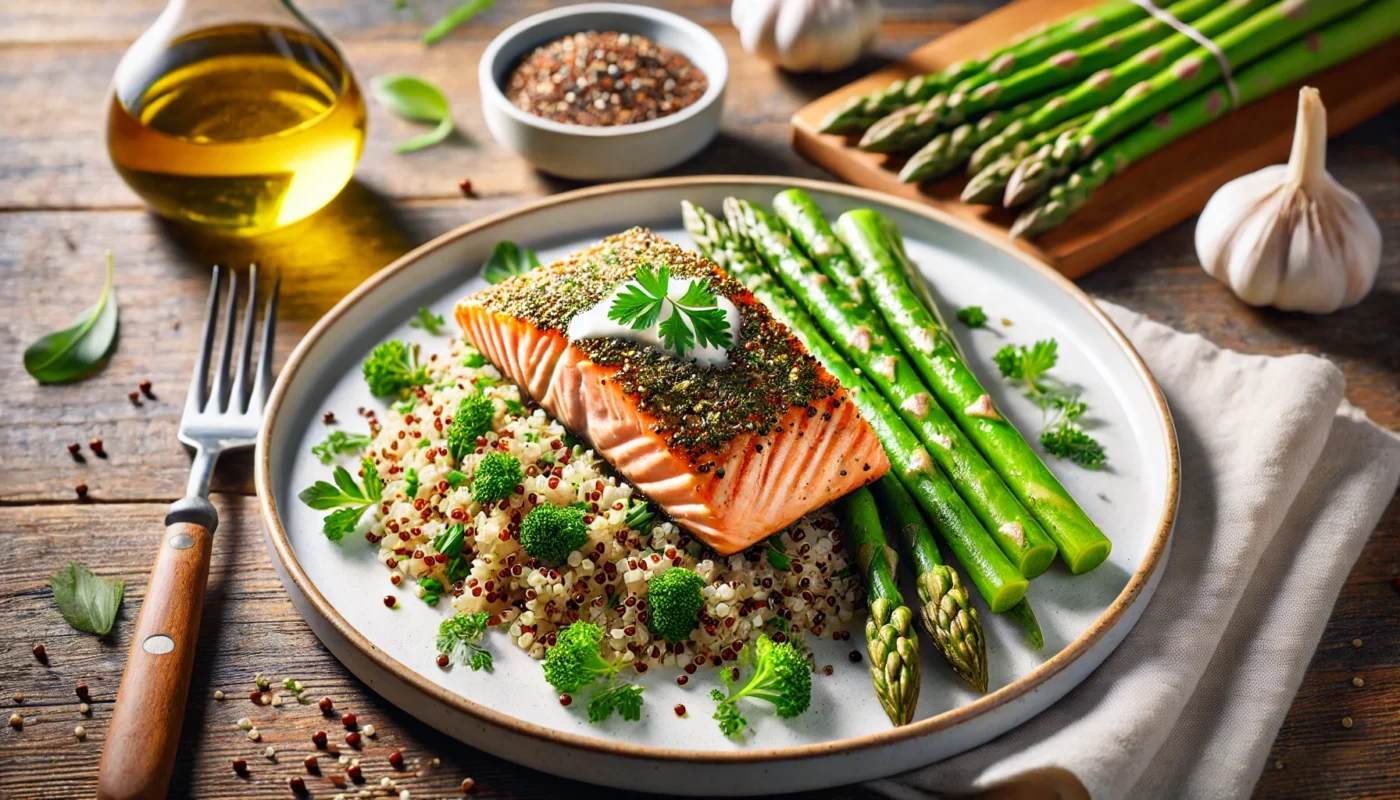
<point>239,117</point>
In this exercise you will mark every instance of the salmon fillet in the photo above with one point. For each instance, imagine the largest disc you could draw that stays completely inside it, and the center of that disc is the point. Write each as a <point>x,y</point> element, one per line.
<point>733,454</point>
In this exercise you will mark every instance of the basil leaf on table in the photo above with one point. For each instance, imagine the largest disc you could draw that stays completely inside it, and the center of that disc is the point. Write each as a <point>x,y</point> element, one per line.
<point>413,98</point>
<point>78,350</point>
<point>509,259</point>
<point>453,18</point>
<point>87,602</point>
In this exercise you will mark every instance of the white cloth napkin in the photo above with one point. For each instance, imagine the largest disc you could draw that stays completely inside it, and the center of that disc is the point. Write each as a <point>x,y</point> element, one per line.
<point>1282,482</point>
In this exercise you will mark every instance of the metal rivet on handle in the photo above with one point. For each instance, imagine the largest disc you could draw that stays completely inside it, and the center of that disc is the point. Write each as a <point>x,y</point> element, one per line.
<point>182,541</point>
<point>158,645</point>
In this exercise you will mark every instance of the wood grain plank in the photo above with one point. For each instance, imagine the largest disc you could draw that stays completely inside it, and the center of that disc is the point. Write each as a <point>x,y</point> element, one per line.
<point>55,158</point>
<point>250,627</point>
<point>1150,196</point>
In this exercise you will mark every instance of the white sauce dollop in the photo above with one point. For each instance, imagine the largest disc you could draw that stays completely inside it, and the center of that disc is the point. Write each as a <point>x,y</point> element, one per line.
<point>594,324</point>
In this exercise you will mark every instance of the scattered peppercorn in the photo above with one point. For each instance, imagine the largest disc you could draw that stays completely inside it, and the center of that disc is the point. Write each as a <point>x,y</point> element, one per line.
<point>1346,722</point>
<point>18,698</point>
<point>354,772</point>
<point>442,660</point>
<point>326,705</point>
<point>96,446</point>
<point>608,78</point>
<point>16,721</point>
<point>1278,764</point>
<point>468,784</point>
<point>39,651</point>
<point>76,450</point>
<point>145,387</point>
<point>254,734</point>
<point>240,766</point>
<point>328,417</point>
<point>82,691</point>
<point>348,720</point>
<point>680,710</point>
<point>1355,642</point>
<point>682,680</point>
<point>298,785</point>
<point>84,708</point>
<point>134,397</point>
<point>396,760</point>
<point>319,739</point>
<point>218,695</point>
<point>353,739</point>
<point>828,669</point>
<point>81,490</point>
<point>80,732</point>
<point>313,767</point>
<point>565,700</point>
<point>854,656</point>
<point>465,185</point>
<point>1358,682</point>
<point>256,697</point>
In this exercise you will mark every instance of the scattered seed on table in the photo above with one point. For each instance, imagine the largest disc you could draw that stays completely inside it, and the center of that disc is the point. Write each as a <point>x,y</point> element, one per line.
<point>134,397</point>
<point>254,734</point>
<point>354,772</point>
<point>1355,642</point>
<point>81,490</point>
<point>404,795</point>
<point>240,766</point>
<point>348,720</point>
<point>145,387</point>
<point>80,732</point>
<point>297,785</point>
<point>16,721</point>
<point>276,701</point>
<point>270,753</point>
<point>319,738</point>
<point>1278,765</point>
<point>607,78</point>
<point>854,656</point>
<point>81,690</point>
<point>368,730</point>
<point>468,784</point>
<point>465,185</point>
<point>396,760</point>
<point>96,446</point>
<point>245,723</point>
<point>326,704</point>
<point>76,450</point>
<point>18,698</point>
<point>1358,682</point>
<point>312,766</point>
<point>84,708</point>
<point>828,669</point>
<point>353,739</point>
<point>218,695</point>
<point>1346,722</point>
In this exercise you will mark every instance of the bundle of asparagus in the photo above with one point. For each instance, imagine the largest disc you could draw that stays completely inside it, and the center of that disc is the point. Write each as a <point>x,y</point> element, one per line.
<point>959,471</point>
<point>1077,103</point>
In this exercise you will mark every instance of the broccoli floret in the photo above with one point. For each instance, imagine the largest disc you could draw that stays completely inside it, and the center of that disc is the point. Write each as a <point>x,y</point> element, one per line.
<point>473,418</point>
<point>781,676</point>
<point>392,368</point>
<point>495,477</point>
<point>575,661</point>
<point>674,599</point>
<point>551,533</point>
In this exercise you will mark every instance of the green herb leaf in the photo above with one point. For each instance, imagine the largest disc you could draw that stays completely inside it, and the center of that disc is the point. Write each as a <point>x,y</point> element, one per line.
<point>450,541</point>
<point>426,320</point>
<point>695,318</point>
<point>346,496</point>
<point>1067,440</point>
<point>88,602</point>
<point>507,259</point>
<point>972,317</point>
<point>413,98</point>
<point>80,349</point>
<point>778,561</point>
<point>455,17</point>
<point>339,443</point>
<point>392,369</point>
<point>459,639</point>
<point>455,478</point>
<point>1060,436</point>
<point>624,698</point>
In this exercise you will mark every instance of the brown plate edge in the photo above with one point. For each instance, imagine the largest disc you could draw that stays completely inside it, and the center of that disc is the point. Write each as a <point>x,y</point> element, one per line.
<point>945,720</point>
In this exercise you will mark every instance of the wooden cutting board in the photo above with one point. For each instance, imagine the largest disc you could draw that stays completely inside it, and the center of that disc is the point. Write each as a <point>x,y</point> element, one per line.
<point>1150,196</point>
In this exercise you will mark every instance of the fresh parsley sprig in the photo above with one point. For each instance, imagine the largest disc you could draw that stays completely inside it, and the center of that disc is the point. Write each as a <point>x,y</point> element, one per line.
<point>339,443</point>
<point>696,318</point>
<point>349,499</point>
<point>972,317</point>
<point>459,638</point>
<point>624,698</point>
<point>1061,435</point>
<point>425,319</point>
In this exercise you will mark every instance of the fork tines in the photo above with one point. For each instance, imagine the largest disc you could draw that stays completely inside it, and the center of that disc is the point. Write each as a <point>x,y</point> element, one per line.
<point>220,398</point>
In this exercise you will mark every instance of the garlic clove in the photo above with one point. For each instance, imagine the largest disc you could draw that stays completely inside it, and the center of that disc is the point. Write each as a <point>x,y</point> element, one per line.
<point>1289,235</point>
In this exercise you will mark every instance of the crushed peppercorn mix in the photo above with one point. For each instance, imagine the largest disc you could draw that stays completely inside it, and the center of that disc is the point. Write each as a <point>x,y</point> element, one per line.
<point>605,580</point>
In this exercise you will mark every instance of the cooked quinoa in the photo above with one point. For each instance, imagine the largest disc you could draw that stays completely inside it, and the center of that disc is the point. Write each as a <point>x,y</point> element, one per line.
<point>605,582</point>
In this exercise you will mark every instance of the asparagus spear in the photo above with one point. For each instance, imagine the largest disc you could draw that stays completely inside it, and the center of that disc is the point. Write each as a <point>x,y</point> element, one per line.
<point>1024,617</point>
<point>946,151</point>
<point>948,614</point>
<point>1105,86</point>
<point>909,127</point>
<point>1339,41</point>
<point>1072,64</point>
<point>931,488</point>
<point>879,252</point>
<point>988,185</point>
<point>860,112</point>
<point>1193,72</point>
<point>889,632</point>
<point>805,221</point>
<point>859,334</point>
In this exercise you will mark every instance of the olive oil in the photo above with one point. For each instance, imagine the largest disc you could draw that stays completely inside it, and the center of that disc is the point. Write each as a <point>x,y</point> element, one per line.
<point>239,128</point>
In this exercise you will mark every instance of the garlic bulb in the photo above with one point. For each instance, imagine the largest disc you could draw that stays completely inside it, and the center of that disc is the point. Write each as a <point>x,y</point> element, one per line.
<point>806,35</point>
<point>1290,236</point>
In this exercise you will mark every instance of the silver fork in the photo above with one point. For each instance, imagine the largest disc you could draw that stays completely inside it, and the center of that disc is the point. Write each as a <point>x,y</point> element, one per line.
<point>145,730</point>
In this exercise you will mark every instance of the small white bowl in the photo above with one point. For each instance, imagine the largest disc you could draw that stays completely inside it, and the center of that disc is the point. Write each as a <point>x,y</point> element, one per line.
<point>585,152</point>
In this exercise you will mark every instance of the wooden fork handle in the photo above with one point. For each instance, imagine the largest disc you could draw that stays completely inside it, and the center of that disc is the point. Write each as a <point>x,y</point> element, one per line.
<point>145,731</point>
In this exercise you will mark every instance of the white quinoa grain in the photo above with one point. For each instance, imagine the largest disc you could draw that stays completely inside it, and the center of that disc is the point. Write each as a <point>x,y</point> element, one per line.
<point>368,730</point>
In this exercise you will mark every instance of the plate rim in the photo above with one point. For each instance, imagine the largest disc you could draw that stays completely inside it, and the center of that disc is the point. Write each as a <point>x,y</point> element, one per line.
<point>918,729</point>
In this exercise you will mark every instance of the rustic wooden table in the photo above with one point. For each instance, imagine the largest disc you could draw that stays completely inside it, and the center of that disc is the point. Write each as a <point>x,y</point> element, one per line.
<point>62,206</point>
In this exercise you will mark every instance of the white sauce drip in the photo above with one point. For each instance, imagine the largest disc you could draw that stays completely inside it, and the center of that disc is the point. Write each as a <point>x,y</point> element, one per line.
<point>594,324</point>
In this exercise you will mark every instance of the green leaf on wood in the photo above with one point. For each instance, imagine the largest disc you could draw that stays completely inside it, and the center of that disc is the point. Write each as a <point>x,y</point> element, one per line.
<point>88,602</point>
<point>78,350</point>
<point>413,98</point>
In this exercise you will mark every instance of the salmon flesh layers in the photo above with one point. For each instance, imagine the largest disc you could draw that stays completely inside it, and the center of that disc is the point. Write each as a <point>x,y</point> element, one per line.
<point>733,454</point>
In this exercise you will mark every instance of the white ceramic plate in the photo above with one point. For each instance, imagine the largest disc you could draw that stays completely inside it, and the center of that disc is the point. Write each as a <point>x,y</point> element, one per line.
<point>845,737</point>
